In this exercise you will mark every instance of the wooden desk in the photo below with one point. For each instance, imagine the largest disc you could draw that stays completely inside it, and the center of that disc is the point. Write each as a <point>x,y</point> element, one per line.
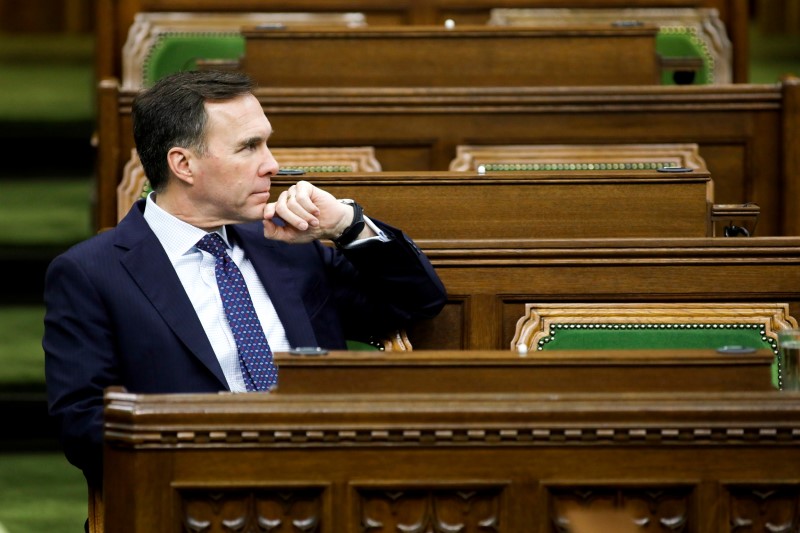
<point>489,282</point>
<point>700,25</point>
<point>509,462</point>
<point>118,15</point>
<point>506,371</point>
<point>745,133</point>
<point>502,205</point>
<point>465,56</point>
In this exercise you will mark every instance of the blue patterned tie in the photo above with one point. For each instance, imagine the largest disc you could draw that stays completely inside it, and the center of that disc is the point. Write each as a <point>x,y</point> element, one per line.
<point>255,356</point>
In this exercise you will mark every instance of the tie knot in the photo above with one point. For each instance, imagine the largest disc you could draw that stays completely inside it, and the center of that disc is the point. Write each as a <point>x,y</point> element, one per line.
<point>213,244</point>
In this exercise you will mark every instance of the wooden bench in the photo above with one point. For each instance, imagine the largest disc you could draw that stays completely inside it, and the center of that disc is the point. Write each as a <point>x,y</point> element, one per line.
<point>465,56</point>
<point>117,16</point>
<point>683,33</point>
<point>726,219</point>
<point>745,133</point>
<point>490,282</point>
<point>158,42</point>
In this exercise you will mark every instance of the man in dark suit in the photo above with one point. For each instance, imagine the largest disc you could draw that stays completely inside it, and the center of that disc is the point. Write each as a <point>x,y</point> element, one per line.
<point>139,306</point>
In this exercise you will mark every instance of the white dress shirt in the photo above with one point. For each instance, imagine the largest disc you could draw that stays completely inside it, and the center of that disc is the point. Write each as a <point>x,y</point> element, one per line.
<point>195,269</point>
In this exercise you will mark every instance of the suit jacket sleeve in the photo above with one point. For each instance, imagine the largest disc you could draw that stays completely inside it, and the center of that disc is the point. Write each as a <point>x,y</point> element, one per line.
<point>397,286</point>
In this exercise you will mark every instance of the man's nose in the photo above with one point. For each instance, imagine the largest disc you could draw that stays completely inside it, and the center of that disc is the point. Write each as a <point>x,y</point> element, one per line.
<point>269,167</point>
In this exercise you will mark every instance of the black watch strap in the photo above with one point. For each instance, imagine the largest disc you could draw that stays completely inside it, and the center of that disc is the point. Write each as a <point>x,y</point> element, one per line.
<point>352,231</point>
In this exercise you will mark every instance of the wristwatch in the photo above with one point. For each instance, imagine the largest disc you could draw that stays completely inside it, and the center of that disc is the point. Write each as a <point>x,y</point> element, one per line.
<point>352,231</point>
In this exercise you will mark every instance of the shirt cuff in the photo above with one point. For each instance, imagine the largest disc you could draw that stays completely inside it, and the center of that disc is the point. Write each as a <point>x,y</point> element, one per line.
<point>380,237</point>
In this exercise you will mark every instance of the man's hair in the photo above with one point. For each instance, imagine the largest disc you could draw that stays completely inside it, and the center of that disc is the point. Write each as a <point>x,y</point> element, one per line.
<point>172,113</point>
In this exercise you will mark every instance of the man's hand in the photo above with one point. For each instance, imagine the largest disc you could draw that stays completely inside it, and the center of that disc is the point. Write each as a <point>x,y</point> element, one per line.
<point>308,213</point>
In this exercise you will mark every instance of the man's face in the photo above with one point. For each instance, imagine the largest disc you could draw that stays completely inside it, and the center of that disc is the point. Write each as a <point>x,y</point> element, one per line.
<point>232,179</point>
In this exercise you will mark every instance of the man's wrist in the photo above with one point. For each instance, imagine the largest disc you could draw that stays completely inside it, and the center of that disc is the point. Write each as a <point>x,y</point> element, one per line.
<point>355,228</point>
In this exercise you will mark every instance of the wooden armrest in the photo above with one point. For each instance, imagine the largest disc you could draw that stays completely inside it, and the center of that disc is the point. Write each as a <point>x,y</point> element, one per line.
<point>397,342</point>
<point>96,510</point>
<point>736,220</point>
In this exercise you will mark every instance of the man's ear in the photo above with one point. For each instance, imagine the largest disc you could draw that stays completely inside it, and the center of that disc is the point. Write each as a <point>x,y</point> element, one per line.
<point>179,160</point>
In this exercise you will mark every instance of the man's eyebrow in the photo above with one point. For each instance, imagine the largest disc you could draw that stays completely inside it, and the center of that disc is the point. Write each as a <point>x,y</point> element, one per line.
<point>250,141</point>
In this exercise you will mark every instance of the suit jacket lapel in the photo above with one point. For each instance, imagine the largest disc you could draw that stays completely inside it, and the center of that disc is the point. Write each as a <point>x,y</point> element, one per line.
<point>148,264</point>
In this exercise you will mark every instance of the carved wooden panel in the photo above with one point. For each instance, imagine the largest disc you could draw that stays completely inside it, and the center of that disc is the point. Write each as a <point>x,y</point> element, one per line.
<point>450,327</point>
<point>464,510</point>
<point>219,510</point>
<point>771,509</point>
<point>652,509</point>
<point>474,461</point>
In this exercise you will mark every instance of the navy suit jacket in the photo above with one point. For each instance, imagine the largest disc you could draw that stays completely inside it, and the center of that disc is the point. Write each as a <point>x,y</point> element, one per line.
<point>117,314</point>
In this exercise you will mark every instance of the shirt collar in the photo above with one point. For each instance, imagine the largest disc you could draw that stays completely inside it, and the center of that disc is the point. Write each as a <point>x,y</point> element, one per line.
<point>176,236</point>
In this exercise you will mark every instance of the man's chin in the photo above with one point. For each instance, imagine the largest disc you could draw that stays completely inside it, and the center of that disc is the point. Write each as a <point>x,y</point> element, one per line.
<point>254,209</point>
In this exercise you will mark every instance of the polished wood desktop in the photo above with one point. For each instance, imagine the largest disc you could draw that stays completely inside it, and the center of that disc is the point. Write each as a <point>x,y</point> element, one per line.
<point>509,371</point>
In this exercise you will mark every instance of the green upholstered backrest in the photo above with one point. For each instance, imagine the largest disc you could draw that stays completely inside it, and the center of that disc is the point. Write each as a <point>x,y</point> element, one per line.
<point>673,41</point>
<point>654,326</point>
<point>176,52</point>
<point>600,336</point>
